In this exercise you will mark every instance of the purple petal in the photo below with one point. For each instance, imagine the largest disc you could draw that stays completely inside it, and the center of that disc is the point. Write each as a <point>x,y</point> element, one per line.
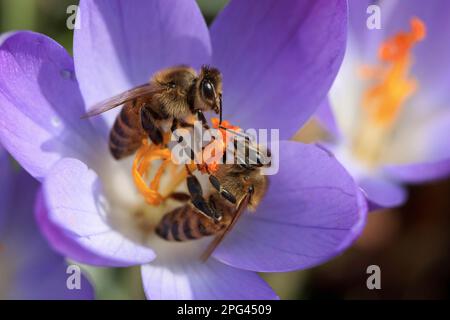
<point>431,57</point>
<point>422,141</point>
<point>74,219</point>
<point>325,117</point>
<point>312,212</point>
<point>37,271</point>
<point>40,103</point>
<point>120,44</point>
<point>426,167</point>
<point>436,134</point>
<point>420,172</point>
<point>278,61</point>
<point>383,193</point>
<point>194,279</point>
<point>367,41</point>
<point>5,189</point>
<point>45,278</point>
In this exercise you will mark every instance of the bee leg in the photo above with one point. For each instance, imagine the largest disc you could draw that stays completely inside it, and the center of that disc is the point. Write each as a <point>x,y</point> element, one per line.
<point>180,196</point>
<point>197,199</point>
<point>150,127</point>
<point>174,125</point>
<point>223,192</point>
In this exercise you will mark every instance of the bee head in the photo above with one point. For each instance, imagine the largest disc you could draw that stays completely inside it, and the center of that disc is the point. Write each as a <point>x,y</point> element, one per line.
<point>254,184</point>
<point>209,88</point>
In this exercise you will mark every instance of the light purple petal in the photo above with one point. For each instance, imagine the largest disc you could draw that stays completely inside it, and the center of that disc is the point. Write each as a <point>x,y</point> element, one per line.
<point>121,43</point>
<point>278,61</point>
<point>420,138</point>
<point>366,41</point>
<point>40,103</point>
<point>198,280</point>
<point>420,172</point>
<point>436,134</point>
<point>325,117</point>
<point>312,212</point>
<point>46,279</point>
<point>74,219</point>
<point>382,193</point>
<point>36,271</point>
<point>5,189</point>
<point>431,57</point>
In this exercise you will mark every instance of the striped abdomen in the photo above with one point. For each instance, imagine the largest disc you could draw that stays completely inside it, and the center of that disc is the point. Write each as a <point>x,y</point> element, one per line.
<point>126,135</point>
<point>186,223</point>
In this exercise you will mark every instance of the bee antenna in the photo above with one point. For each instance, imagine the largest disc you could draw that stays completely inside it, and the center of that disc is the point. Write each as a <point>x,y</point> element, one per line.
<point>206,68</point>
<point>220,114</point>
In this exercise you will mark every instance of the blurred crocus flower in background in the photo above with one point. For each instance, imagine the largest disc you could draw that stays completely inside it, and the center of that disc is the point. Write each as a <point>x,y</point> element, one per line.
<point>391,99</point>
<point>278,63</point>
<point>29,268</point>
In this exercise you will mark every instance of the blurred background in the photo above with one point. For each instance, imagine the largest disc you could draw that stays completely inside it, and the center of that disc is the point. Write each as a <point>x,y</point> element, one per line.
<point>410,244</point>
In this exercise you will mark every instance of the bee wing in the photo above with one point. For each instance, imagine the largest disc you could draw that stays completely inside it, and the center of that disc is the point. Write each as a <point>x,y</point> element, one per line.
<point>124,97</point>
<point>218,240</point>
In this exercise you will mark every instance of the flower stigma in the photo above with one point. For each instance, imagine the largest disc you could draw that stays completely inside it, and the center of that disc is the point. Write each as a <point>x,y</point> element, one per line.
<point>391,86</point>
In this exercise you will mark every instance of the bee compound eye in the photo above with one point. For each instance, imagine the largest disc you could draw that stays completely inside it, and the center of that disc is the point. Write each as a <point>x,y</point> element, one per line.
<point>207,90</point>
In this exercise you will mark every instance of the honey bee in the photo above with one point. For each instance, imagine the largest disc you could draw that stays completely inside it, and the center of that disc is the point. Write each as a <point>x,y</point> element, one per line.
<point>171,96</point>
<point>236,187</point>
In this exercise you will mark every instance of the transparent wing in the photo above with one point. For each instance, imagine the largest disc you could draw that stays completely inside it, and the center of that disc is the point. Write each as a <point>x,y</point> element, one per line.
<point>218,240</point>
<point>138,92</point>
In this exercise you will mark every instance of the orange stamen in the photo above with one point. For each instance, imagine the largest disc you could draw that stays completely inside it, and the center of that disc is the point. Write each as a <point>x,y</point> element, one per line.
<point>393,86</point>
<point>148,153</point>
<point>141,167</point>
<point>210,165</point>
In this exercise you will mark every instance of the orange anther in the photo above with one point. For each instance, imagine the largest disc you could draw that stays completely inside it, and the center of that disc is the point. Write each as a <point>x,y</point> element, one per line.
<point>146,154</point>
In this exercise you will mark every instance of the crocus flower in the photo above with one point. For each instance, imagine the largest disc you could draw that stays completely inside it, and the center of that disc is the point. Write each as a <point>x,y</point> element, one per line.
<point>278,61</point>
<point>29,268</point>
<point>392,128</point>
